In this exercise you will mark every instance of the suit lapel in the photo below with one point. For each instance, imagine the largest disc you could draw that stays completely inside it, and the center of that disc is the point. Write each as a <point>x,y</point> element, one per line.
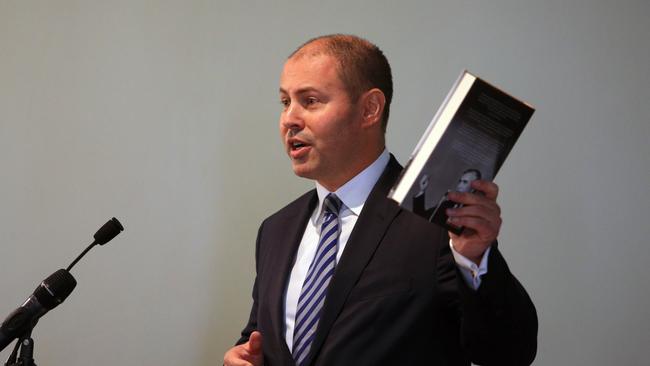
<point>377,214</point>
<point>291,227</point>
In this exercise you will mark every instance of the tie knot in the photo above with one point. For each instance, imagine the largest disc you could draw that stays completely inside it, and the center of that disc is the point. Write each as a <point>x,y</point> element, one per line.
<point>332,204</point>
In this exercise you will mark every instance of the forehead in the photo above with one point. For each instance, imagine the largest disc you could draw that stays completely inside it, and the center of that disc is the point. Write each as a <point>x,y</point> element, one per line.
<point>318,71</point>
<point>469,174</point>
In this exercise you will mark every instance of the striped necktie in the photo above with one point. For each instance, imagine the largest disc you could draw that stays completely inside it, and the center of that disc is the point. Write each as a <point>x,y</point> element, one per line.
<point>314,289</point>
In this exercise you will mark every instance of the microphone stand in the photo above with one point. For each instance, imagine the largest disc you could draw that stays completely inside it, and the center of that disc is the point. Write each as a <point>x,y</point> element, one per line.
<point>25,342</point>
<point>26,345</point>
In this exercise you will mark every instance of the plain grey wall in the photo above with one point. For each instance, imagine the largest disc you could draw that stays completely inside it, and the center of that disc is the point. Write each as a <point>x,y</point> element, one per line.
<point>164,114</point>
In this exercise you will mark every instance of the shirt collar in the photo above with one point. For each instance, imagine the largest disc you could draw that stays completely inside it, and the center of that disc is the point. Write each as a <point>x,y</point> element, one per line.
<point>354,193</point>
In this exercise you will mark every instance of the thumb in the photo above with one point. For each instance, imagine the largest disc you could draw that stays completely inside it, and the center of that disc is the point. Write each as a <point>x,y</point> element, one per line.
<point>255,343</point>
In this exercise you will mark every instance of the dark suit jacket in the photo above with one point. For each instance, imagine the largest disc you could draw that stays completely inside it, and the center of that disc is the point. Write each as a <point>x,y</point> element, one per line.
<point>396,297</point>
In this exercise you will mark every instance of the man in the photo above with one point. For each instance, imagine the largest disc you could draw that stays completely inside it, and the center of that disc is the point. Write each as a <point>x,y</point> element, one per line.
<point>346,277</point>
<point>465,180</point>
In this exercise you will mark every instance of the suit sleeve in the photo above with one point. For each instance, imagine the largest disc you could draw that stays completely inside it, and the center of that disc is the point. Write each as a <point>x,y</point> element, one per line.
<point>497,322</point>
<point>252,318</point>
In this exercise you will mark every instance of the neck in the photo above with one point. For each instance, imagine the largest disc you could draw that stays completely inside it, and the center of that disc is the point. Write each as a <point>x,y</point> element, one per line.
<point>332,185</point>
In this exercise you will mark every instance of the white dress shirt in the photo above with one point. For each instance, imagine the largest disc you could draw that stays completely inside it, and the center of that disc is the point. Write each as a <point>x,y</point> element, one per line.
<point>353,195</point>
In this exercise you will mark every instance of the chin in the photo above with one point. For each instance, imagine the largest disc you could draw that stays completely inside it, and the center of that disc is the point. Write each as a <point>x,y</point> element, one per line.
<point>303,171</point>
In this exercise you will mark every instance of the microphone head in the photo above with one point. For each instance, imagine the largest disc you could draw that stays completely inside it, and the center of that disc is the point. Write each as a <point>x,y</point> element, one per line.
<point>107,232</point>
<point>54,289</point>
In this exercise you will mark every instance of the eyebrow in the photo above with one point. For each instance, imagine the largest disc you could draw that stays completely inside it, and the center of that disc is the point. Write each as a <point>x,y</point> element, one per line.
<point>301,90</point>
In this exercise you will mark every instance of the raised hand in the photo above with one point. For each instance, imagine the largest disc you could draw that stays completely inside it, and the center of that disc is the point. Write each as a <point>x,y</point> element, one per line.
<point>481,217</point>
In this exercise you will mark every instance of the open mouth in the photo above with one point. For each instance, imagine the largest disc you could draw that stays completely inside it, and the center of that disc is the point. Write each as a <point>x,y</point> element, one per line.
<point>298,149</point>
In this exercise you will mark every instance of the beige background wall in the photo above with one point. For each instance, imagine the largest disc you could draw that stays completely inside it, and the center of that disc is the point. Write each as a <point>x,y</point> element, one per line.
<point>164,114</point>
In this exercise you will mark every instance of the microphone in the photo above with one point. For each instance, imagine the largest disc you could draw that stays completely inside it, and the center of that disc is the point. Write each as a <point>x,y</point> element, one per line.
<point>48,295</point>
<point>105,234</point>
<point>51,292</point>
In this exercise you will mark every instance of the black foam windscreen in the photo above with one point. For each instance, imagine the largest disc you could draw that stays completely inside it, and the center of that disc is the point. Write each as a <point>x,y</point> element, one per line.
<point>107,232</point>
<point>54,289</point>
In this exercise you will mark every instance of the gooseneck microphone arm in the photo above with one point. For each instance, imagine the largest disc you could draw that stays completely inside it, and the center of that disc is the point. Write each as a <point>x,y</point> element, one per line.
<point>80,256</point>
<point>105,234</point>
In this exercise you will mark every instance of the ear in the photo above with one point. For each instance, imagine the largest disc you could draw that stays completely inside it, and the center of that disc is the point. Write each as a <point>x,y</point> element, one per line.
<point>373,102</point>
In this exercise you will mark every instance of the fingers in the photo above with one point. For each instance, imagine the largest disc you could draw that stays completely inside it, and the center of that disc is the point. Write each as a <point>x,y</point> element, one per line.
<point>236,362</point>
<point>489,189</point>
<point>255,343</point>
<point>237,356</point>
<point>489,211</point>
<point>482,188</point>
<point>247,354</point>
<point>481,217</point>
<point>486,195</point>
<point>484,230</point>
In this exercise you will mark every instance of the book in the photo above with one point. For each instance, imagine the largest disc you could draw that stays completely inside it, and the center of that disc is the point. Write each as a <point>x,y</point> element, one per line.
<point>469,138</point>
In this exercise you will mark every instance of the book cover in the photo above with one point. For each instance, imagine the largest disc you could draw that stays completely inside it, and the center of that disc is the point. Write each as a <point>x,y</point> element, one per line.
<point>469,138</point>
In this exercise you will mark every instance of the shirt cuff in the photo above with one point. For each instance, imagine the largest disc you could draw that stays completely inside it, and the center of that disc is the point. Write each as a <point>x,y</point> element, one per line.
<point>470,271</point>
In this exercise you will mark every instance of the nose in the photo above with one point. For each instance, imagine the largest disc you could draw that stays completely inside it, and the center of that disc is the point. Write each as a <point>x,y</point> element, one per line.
<point>292,118</point>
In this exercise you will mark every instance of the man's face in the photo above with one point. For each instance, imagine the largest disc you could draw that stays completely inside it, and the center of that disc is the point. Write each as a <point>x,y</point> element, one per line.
<point>319,124</point>
<point>465,181</point>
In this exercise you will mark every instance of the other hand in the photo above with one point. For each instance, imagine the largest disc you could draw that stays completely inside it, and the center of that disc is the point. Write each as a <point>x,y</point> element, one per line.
<point>481,217</point>
<point>247,354</point>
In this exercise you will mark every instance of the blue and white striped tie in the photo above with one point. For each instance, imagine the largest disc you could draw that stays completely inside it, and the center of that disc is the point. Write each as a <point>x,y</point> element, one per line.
<point>314,289</point>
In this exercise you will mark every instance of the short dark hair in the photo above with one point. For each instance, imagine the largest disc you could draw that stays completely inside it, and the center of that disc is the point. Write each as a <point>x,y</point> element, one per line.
<point>362,65</point>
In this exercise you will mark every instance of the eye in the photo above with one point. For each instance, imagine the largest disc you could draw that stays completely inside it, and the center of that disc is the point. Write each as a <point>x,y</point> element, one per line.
<point>309,101</point>
<point>285,102</point>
